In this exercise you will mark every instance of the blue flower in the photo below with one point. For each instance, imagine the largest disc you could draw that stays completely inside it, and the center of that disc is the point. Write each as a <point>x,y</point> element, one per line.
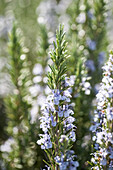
<point>101,58</point>
<point>90,65</point>
<point>72,136</point>
<point>67,161</point>
<point>91,44</point>
<point>90,14</point>
<point>60,113</point>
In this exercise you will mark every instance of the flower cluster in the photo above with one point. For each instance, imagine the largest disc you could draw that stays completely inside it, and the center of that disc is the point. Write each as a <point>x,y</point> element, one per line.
<point>67,162</point>
<point>103,121</point>
<point>57,119</point>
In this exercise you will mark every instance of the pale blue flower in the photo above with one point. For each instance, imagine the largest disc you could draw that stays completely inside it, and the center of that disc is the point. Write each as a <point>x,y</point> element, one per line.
<point>60,113</point>
<point>72,136</point>
<point>53,123</point>
<point>101,58</point>
<point>90,65</point>
<point>90,14</point>
<point>103,162</point>
<point>91,44</point>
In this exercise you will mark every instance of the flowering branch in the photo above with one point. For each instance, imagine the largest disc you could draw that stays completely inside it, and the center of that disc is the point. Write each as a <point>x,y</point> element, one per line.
<point>57,120</point>
<point>103,121</point>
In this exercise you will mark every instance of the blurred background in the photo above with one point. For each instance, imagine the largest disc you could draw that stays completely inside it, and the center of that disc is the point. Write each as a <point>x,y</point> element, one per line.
<point>27,32</point>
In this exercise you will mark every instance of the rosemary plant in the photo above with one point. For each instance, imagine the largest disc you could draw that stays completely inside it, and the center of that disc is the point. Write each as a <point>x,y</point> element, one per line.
<point>103,121</point>
<point>20,145</point>
<point>57,121</point>
<point>87,44</point>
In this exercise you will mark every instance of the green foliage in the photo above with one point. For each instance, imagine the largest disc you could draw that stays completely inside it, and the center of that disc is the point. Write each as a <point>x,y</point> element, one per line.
<point>58,56</point>
<point>24,151</point>
<point>85,24</point>
<point>3,136</point>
